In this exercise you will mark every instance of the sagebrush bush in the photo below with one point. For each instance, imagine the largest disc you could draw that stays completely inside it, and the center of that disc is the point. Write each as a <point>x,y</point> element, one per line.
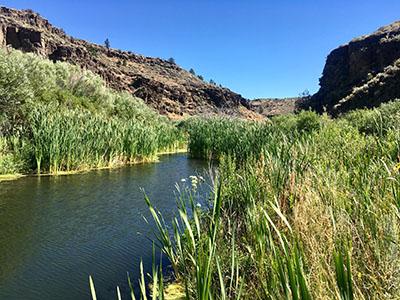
<point>72,120</point>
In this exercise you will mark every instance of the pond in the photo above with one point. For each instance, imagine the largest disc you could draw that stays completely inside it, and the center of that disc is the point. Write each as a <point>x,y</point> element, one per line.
<point>55,231</point>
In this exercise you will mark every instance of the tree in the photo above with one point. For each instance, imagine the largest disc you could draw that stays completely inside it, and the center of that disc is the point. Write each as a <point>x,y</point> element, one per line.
<point>305,94</point>
<point>107,44</point>
<point>212,82</point>
<point>200,77</point>
<point>172,60</point>
<point>191,71</point>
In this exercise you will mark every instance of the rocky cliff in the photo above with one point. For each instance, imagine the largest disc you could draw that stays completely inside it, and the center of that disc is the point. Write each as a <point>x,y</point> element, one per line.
<point>163,85</point>
<point>363,73</point>
<point>269,107</point>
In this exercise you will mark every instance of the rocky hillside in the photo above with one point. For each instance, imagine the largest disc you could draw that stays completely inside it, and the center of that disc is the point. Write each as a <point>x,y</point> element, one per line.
<point>163,85</point>
<point>269,107</point>
<point>363,73</point>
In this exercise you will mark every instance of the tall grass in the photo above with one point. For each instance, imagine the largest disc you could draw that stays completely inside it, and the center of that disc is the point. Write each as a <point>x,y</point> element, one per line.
<point>322,183</point>
<point>304,207</point>
<point>71,120</point>
<point>71,139</point>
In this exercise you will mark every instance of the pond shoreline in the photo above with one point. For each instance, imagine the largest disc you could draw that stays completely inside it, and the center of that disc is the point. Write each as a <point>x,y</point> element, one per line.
<point>10,177</point>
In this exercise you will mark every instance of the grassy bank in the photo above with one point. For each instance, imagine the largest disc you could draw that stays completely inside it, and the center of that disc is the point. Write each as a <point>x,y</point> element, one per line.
<point>304,207</point>
<point>56,117</point>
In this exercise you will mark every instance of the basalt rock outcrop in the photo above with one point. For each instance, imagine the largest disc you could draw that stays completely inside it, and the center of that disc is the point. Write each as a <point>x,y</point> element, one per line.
<point>363,73</point>
<point>269,107</point>
<point>164,86</point>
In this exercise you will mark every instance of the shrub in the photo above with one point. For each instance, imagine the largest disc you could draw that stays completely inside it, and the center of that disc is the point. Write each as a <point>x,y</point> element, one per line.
<point>308,121</point>
<point>72,120</point>
<point>378,120</point>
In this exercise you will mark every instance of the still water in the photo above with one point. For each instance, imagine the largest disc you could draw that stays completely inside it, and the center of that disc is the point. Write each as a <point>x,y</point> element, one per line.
<point>55,231</point>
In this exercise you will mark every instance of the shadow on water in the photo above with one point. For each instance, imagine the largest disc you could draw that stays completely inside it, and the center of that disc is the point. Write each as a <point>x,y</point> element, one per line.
<point>55,231</point>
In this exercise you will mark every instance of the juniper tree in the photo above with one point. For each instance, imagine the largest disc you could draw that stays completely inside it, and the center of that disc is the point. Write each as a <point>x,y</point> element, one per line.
<point>107,44</point>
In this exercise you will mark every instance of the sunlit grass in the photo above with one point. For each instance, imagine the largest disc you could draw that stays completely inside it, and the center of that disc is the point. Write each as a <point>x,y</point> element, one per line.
<point>304,207</point>
<point>56,117</point>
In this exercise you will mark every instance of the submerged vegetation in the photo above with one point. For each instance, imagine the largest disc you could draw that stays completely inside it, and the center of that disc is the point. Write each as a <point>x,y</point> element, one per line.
<point>58,117</point>
<point>303,207</point>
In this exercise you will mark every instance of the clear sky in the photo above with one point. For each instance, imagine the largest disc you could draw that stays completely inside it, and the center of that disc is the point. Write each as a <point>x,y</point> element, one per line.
<point>254,47</point>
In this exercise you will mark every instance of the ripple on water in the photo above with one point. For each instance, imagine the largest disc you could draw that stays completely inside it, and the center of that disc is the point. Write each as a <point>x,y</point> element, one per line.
<point>55,231</point>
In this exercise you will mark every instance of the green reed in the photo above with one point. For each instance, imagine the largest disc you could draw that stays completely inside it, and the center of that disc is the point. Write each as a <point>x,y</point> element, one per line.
<point>304,207</point>
<point>70,120</point>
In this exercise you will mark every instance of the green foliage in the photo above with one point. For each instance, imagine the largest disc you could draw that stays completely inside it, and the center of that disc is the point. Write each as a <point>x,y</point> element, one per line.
<point>343,275</point>
<point>92,50</point>
<point>308,121</point>
<point>13,152</point>
<point>288,193</point>
<point>377,120</point>
<point>68,119</point>
<point>210,138</point>
<point>69,139</point>
<point>14,92</point>
<point>8,163</point>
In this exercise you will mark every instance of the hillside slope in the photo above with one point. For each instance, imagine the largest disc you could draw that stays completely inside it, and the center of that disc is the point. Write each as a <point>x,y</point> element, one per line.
<point>363,73</point>
<point>269,107</point>
<point>164,86</point>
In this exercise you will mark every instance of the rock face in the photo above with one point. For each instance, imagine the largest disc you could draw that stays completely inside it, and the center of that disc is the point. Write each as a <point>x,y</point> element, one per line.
<point>161,84</point>
<point>269,107</point>
<point>363,73</point>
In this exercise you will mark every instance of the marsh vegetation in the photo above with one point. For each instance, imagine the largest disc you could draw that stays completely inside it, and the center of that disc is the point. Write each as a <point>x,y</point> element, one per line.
<point>57,117</point>
<point>303,207</point>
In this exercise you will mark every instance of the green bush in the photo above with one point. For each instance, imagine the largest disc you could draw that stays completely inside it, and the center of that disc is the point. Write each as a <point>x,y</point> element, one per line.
<point>71,120</point>
<point>378,120</point>
<point>308,121</point>
<point>13,153</point>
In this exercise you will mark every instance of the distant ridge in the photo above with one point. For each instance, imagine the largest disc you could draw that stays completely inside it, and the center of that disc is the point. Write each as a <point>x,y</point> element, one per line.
<point>269,107</point>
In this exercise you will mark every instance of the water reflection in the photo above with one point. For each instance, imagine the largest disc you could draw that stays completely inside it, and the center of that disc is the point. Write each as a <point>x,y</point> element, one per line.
<point>54,231</point>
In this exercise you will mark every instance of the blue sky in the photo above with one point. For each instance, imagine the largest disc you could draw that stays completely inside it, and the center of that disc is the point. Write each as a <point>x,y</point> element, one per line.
<point>256,48</point>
